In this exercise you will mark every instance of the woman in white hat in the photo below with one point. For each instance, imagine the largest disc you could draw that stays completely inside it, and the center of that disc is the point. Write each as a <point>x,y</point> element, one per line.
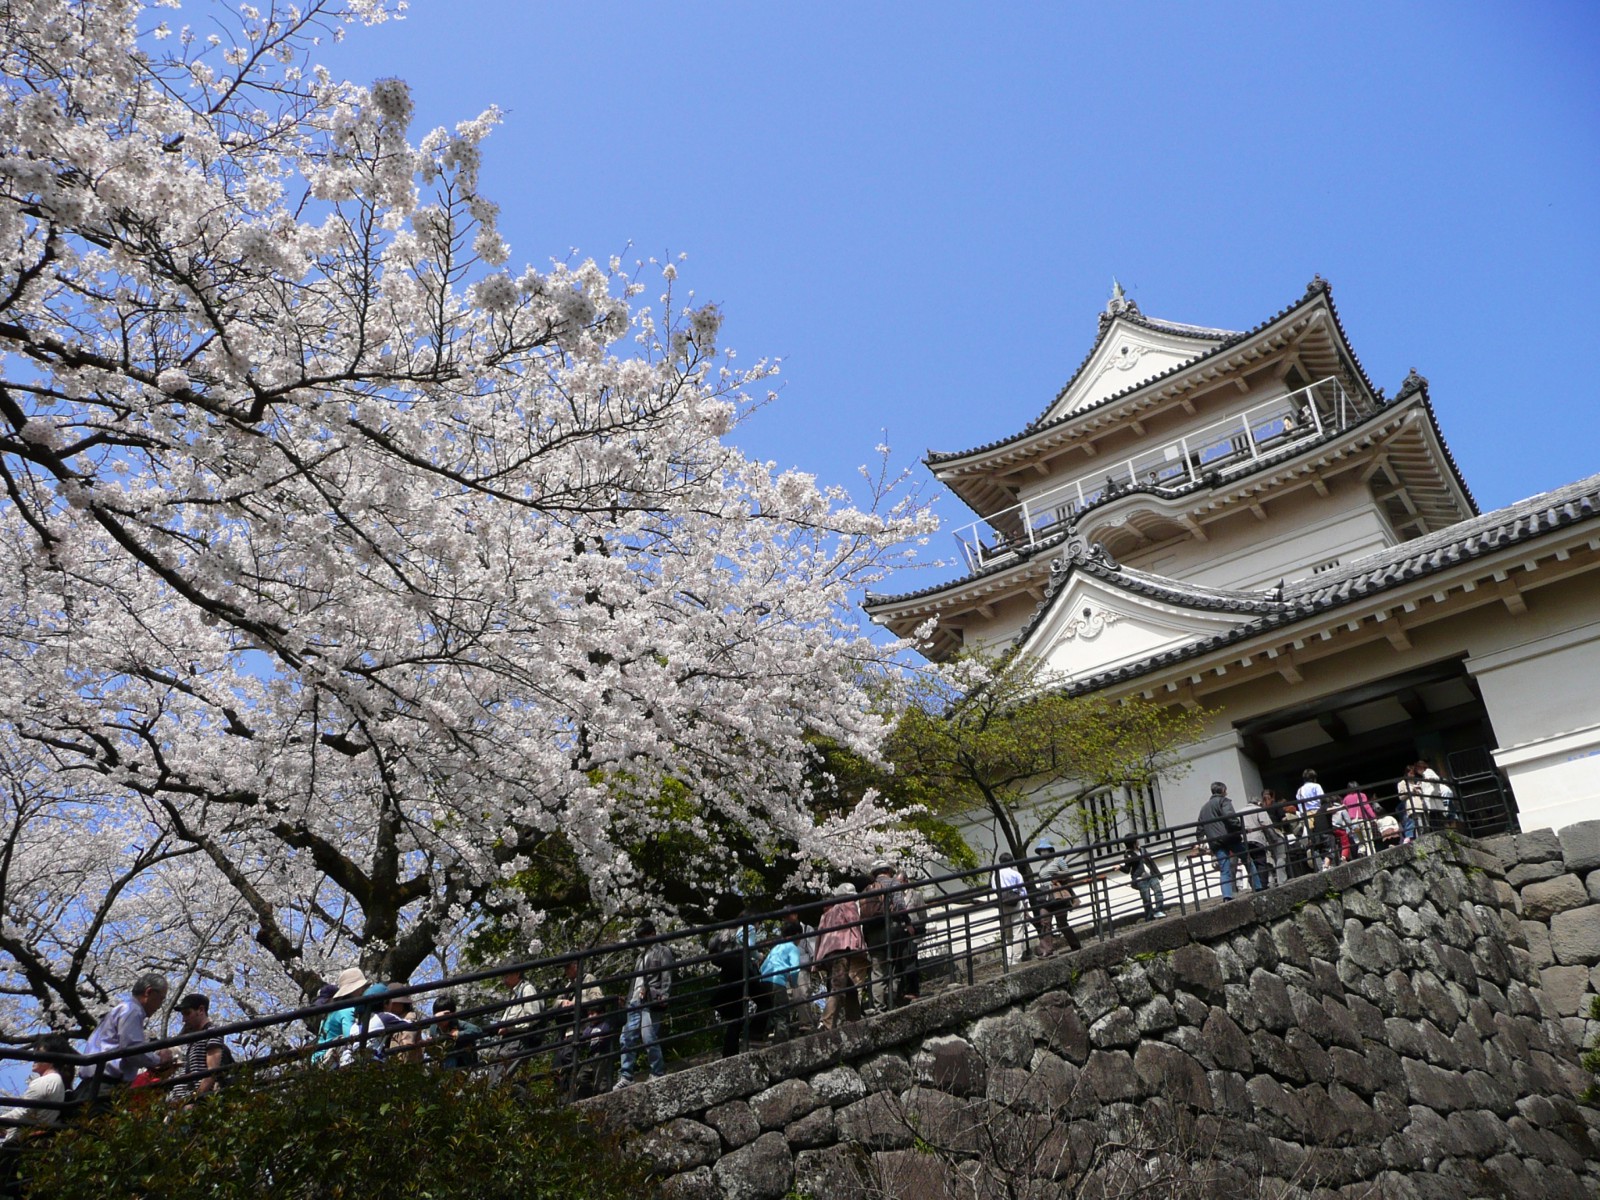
<point>341,1022</point>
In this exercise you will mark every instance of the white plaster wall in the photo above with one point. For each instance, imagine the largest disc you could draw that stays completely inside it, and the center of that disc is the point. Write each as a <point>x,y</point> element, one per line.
<point>1541,693</point>
<point>1217,758</point>
<point>1302,530</point>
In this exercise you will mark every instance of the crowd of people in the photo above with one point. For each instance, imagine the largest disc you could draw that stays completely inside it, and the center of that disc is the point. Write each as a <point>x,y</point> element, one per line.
<point>762,979</point>
<point>1281,838</point>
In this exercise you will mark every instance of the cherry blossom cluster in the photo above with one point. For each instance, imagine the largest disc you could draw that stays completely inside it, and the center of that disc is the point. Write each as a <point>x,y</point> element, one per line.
<point>349,568</point>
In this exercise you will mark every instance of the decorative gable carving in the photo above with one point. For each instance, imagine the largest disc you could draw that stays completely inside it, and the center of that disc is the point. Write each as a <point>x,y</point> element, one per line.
<point>1091,625</point>
<point>1128,354</point>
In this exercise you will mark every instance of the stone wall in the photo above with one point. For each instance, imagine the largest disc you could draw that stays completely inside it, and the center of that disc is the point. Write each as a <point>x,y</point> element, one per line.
<point>1383,1029</point>
<point>1553,883</point>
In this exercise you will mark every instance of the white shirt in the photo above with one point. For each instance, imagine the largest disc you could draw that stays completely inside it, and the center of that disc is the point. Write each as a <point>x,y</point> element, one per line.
<point>1309,797</point>
<point>41,1087</point>
<point>1008,882</point>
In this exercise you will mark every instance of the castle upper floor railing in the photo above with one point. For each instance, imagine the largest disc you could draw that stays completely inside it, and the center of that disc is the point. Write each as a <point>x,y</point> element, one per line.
<point>1226,447</point>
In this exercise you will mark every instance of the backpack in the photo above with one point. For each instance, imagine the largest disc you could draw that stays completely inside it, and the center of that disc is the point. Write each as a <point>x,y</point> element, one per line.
<point>870,905</point>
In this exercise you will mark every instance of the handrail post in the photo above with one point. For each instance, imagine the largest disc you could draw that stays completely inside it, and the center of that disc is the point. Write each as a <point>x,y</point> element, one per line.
<point>1188,463</point>
<point>1027,522</point>
<point>1249,438</point>
<point>744,989</point>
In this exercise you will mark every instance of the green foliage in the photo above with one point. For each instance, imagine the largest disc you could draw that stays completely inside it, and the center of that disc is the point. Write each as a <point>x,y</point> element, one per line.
<point>361,1133</point>
<point>1591,1060</point>
<point>1002,735</point>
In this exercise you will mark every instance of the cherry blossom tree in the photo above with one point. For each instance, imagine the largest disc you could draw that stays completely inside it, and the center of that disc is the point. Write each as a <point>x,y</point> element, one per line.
<point>348,570</point>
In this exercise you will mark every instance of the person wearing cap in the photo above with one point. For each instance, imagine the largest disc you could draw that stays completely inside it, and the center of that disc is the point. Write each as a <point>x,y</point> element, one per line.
<point>341,1022</point>
<point>842,956</point>
<point>123,1029</point>
<point>455,1040</point>
<point>204,1058</point>
<point>1055,900</point>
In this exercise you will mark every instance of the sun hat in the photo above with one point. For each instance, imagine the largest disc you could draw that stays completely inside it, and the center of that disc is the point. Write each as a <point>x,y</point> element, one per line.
<point>351,981</point>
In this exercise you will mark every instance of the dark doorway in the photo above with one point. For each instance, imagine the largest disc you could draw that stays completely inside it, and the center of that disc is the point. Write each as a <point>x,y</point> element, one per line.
<point>1369,733</point>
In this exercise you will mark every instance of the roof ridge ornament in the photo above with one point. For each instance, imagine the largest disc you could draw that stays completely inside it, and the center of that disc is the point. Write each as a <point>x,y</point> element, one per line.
<point>1412,383</point>
<point>1317,284</point>
<point>1119,305</point>
<point>1079,550</point>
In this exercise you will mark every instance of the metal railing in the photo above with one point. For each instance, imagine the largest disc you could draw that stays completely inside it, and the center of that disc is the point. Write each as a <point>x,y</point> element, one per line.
<point>947,931</point>
<point>1225,447</point>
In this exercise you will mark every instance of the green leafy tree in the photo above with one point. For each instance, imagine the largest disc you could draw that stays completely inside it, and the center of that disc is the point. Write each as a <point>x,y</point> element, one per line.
<point>1003,736</point>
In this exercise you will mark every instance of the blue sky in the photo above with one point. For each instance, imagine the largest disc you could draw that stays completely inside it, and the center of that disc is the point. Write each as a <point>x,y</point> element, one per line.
<point>920,207</point>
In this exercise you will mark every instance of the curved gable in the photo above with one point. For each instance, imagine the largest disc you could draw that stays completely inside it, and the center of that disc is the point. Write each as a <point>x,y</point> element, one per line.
<point>1128,355</point>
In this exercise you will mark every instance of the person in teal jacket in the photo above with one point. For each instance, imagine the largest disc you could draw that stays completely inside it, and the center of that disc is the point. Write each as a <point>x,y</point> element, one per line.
<point>341,1022</point>
<point>782,969</point>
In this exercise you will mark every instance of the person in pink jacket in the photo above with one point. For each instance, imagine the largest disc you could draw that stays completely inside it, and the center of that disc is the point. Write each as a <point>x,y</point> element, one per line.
<point>1361,821</point>
<point>842,954</point>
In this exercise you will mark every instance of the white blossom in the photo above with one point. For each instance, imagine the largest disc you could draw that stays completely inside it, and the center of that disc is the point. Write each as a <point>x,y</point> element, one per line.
<point>430,571</point>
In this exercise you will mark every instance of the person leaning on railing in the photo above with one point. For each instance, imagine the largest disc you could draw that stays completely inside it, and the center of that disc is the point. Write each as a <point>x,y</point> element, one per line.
<point>123,1029</point>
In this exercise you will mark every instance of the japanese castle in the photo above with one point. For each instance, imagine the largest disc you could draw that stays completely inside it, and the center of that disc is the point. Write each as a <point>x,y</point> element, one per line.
<point>1242,521</point>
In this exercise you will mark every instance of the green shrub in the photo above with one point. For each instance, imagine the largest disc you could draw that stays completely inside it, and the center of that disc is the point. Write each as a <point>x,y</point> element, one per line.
<point>361,1133</point>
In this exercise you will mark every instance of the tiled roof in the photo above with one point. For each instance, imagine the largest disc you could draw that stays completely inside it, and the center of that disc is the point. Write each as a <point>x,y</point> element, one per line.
<point>1315,288</point>
<point>1375,573</point>
<point>1023,554</point>
<point>1265,463</point>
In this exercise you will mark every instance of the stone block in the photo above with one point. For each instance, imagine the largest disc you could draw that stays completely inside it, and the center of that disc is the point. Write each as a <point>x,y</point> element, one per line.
<point>1168,1072</point>
<point>1541,901</point>
<point>734,1121</point>
<point>1434,1087</point>
<point>1057,1023</point>
<point>947,1122</point>
<point>1580,846</point>
<point>783,1103</point>
<point>1541,845</point>
<point>1003,1041</point>
<point>1521,875</point>
<point>1592,885</point>
<point>1133,984</point>
<point>1562,989</point>
<point>812,1130</point>
<point>680,1145</point>
<point>891,1073</point>
<point>763,1170</point>
<point>1272,1055</point>
<point>1094,995</point>
<point>1110,1076</point>
<point>1537,936</point>
<point>842,1085</point>
<point>1279,1112</point>
<point>1504,847</point>
<point>1119,1027</point>
<point>1507,897</point>
<point>1223,1043</point>
<point>835,1172</point>
<point>1575,935</point>
<point>698,1184</point>
<point>878,1122</point>
<point>950,1064</point>
<point>913,1175</point>
<point>1197,970</point>
<point>1156,1016</point>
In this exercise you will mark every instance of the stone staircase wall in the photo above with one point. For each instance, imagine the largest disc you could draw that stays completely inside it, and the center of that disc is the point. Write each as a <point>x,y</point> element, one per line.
<point>1382,1029</point>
